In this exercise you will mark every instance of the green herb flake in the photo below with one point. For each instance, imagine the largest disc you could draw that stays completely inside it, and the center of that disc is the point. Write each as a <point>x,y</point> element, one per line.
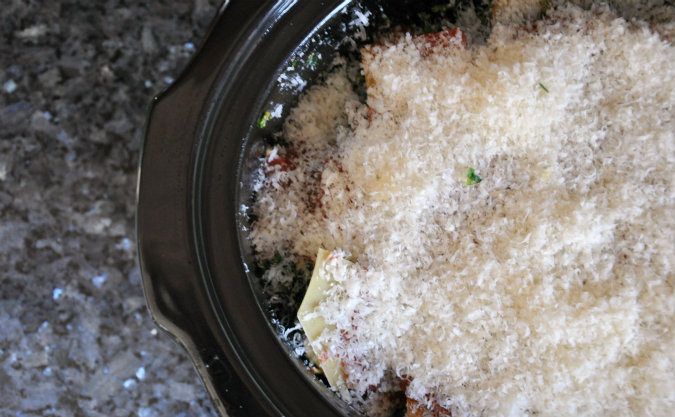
<point>266,117</point>
<point>265,264</point>
<point>544,6</point>
<point>312,60</point>
<point>440,8</point>
<point>472,178</point>
<point>543,87</point>
<point>426,18</point>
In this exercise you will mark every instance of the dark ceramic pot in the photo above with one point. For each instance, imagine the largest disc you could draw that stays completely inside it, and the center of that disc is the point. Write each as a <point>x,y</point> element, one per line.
<point>200,146</point>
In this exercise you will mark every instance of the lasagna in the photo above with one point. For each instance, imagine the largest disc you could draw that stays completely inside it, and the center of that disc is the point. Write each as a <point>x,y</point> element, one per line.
<point>492,232</point>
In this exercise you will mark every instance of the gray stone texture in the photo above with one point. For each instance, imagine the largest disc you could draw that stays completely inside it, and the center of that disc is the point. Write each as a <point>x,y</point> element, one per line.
<point>76,79</point>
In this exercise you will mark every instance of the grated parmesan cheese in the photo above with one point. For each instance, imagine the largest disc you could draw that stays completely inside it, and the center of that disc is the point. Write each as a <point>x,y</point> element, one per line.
<point>547,289</point>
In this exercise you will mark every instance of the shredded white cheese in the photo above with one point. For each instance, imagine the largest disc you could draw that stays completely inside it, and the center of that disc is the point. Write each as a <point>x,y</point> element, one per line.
<point>547,289</point>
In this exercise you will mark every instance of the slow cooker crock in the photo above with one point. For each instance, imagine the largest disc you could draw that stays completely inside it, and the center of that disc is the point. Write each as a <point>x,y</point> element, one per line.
<point>197,155</point>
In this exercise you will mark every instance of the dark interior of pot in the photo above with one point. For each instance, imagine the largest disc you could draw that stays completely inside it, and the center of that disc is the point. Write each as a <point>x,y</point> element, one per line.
<point>240,345</point>
<point>299,64</point>
<point>337,36</point>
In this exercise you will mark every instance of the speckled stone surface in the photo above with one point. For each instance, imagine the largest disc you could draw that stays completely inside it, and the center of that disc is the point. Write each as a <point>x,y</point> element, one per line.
<point>76,78</point>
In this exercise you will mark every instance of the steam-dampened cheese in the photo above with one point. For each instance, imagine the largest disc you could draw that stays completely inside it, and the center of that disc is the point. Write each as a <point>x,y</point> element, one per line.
<point>546,289</point>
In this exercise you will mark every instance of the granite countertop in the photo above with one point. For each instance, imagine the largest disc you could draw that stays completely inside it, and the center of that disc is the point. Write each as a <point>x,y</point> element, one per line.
<point>76,79</point>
